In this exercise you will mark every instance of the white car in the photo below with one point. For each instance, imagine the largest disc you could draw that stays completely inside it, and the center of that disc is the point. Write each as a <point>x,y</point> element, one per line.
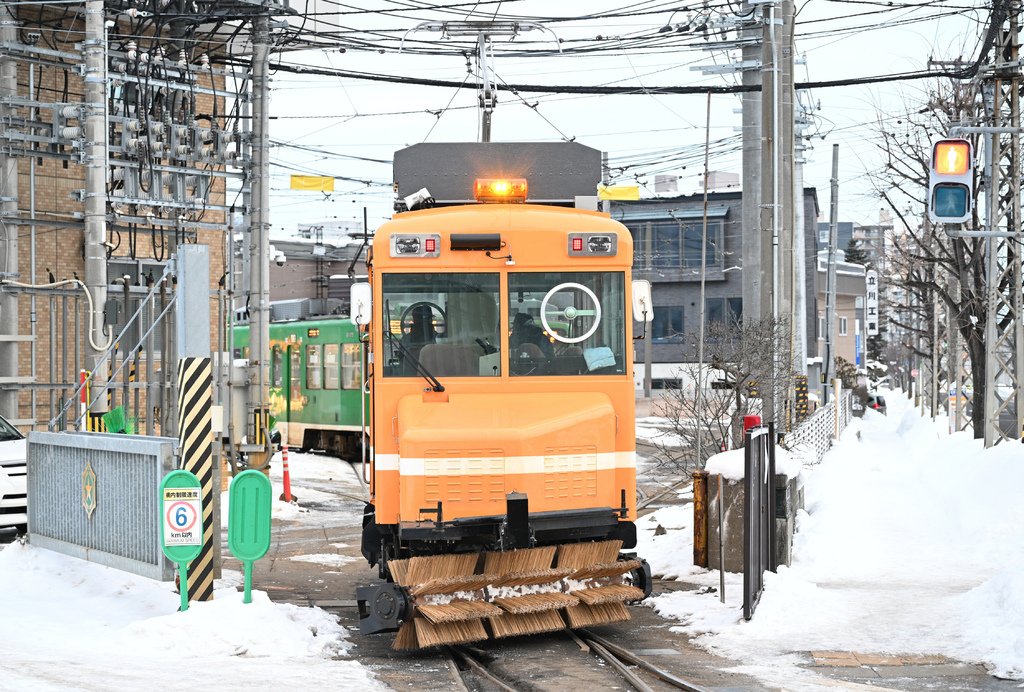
<point>13,490</point>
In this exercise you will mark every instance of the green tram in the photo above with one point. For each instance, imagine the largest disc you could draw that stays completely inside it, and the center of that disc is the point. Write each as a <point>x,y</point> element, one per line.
<point>316,374</point>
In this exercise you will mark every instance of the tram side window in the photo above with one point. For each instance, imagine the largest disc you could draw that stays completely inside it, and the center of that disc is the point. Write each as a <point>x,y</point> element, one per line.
<point>296,372</point>
<point>276,367</point>
<point>351,367</point>
<point>332,374</point>
<point>314,366</point>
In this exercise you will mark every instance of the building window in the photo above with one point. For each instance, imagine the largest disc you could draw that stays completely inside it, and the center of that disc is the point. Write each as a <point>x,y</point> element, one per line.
<point>842,326</point>
<point>722,310</point>
<point>675,244</point>
<point>667,327</point>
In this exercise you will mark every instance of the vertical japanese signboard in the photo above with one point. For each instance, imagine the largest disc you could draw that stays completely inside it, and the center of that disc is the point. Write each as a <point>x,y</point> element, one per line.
<point>871,317</point>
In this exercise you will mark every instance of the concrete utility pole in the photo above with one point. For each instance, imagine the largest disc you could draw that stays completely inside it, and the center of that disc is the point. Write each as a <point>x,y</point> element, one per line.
<point>9,230</point>
<point>776,218</point>
<point>259,243</point>
<point>752,164</point>
<point>830,283</point>
<point>95,49</point>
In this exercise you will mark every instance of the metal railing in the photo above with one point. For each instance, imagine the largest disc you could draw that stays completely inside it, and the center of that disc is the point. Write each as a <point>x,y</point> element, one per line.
<point>815,436</point>
<point>95,496</point>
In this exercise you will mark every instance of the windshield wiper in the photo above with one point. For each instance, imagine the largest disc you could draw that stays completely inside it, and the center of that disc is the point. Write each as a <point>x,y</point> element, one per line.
<point>435,385</point>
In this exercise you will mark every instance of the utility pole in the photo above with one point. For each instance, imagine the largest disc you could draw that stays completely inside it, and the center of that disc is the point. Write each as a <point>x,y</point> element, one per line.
<point>701,380</point>
<point>259,245</point>
<point>776,218</point>
<point>9,230</point>
<point>96,130</point>
<point>753,275</point>
<point>830,282</point>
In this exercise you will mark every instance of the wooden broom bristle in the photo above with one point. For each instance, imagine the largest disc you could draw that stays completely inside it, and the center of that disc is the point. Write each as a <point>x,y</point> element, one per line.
<point>399,571</point>
<point>528,560</point>
<point>608,594</point>
<point>425,568</point>
<point>429,634</point>
<point>543,576</point>
<point>406,640</point>
<point>589,615</point>
<point>449,585</point>
<point>579,555</point>
<point>609,569</point>
<point>536,602</point>
<point>457,611</point>
<point>509,625</point>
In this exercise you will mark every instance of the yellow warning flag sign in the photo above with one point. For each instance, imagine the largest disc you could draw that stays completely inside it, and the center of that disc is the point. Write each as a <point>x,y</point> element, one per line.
<point>619,192</point>
<point>312,183</point>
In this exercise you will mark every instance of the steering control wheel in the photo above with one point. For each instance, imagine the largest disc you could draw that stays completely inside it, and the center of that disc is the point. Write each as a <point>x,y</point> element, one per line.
<point>569,313</point>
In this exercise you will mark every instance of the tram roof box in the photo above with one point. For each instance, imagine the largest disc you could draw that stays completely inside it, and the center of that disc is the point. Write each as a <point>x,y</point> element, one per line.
<point>556,172</point>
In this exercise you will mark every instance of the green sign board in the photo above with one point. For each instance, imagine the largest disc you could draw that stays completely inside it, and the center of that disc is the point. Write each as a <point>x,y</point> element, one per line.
<point>181,523</point>
<point>249,521</point>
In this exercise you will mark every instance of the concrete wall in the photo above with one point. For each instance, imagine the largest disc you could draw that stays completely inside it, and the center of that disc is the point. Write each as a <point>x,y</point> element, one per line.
<point>733,496</point>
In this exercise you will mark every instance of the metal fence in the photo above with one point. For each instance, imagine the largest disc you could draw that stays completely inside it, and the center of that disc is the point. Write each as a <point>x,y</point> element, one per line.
<point>812,438</point>
<point>95,496</point>
<point>758,514</point>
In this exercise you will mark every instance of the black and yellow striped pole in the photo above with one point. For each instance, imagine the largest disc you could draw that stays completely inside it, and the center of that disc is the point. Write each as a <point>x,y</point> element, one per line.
<point>195,435</point>
<point>195,405</point>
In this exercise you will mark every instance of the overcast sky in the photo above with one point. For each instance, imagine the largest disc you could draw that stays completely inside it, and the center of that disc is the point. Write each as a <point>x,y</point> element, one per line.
<point>334,117</point>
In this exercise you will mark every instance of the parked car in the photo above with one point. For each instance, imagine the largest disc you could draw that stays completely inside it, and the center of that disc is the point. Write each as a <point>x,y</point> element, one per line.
<point>13,489</point>
<point>876,402</point>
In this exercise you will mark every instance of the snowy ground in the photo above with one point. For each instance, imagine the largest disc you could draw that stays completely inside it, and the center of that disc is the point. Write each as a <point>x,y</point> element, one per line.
<point>70,624</point>
<point>911,543</point>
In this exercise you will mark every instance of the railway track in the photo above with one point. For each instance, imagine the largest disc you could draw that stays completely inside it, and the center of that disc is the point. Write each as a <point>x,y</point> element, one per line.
<point>474,668</point>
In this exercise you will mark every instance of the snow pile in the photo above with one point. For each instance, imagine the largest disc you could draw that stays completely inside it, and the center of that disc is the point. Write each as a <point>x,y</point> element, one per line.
<point>910,543</point>
<point>67,623</point>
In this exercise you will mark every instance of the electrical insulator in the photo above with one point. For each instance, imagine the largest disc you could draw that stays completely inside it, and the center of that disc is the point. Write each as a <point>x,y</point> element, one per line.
<point>157,147</point>
<point>204,61</point>
<point>132,145</point>
<point>69,111</point>
<point>181,150</point>
<point>132,50</point>
<point>70,132</point>
<point>117,174</point>
<point>133,125</point>
<point>143,57</point>
<point>182,59</point>
<point>207,151</point>
<point>180,131</point>
<point>156,128</point>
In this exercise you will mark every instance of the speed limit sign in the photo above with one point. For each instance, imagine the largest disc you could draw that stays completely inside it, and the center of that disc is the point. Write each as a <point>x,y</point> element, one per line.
<point>182,510</point>
<point>181,516</point>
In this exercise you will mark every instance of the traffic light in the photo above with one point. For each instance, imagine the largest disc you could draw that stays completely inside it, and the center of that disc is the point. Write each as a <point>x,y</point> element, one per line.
<point>951,181</point>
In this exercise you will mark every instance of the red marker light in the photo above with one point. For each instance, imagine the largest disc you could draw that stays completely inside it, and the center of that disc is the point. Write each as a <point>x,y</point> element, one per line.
<point>577,244</point>
<point>430,245</point>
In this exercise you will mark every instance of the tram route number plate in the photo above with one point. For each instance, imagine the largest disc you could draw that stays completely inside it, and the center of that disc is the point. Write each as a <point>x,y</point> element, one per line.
<point>182,516</point>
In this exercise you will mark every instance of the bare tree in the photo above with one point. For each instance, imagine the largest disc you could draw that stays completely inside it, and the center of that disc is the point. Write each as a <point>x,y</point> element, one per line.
<point>738,374</point>
<point>924,260</point>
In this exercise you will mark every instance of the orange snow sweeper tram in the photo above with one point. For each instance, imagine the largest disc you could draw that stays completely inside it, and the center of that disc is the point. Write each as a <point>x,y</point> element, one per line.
<point>503,466</point>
